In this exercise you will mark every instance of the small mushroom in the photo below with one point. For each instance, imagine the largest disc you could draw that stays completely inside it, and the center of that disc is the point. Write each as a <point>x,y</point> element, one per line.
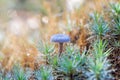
<point>60,38</point>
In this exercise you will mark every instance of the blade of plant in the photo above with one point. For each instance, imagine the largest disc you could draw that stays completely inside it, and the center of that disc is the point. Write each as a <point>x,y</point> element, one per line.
<point>115,8</point>
<point>44,73</point>
<point>99,64</point>
<point>71,63</point>
<point>19,73</point>
<point>99,25</point>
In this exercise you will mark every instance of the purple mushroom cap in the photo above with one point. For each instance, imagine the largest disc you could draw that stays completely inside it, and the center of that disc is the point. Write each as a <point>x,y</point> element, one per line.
<point>61,38</point>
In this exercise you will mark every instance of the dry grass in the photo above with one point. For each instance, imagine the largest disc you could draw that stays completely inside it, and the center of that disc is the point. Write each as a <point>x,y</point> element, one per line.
<point>17,49</point>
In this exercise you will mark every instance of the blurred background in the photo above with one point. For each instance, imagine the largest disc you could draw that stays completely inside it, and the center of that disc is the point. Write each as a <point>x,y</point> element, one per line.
<point>24,22</point>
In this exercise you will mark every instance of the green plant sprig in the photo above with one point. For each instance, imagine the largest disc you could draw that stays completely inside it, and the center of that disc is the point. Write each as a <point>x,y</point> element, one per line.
<point>99,26</point>
<point>99,64</point>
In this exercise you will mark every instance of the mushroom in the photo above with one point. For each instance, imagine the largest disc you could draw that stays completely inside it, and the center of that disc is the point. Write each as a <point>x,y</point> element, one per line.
<point>60,38</point>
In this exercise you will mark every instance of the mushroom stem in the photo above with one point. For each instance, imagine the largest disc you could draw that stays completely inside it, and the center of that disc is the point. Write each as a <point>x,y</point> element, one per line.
<point>60,48</point>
